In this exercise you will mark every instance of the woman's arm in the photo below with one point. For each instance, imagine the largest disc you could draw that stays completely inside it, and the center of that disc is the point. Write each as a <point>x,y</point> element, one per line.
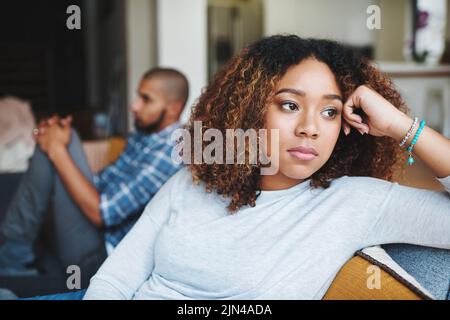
<point>381,118</point>
<point>131,263</point>
<point>402,214</point>
<point>431,147</point>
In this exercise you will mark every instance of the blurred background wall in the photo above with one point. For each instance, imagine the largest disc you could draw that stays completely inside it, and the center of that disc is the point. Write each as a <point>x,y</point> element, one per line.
<point>93,72</point>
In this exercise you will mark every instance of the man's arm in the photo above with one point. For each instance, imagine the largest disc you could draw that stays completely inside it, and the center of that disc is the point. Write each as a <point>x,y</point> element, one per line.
<point>53,137</point>
<point>81,189</point>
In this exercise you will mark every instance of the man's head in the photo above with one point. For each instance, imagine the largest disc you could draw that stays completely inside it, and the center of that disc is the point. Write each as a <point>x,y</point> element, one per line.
<point>162,95</point>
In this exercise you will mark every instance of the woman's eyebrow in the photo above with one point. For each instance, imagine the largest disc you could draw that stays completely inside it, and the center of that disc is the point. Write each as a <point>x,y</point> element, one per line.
<point>333,97</point>
<point>297,92</point>
<point>302,93</point>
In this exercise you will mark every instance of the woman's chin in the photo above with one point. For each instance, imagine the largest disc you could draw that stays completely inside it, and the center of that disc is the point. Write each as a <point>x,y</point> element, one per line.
<point>298,173</point>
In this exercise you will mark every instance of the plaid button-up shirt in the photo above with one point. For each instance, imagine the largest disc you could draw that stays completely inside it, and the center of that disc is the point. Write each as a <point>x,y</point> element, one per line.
<point>127,185</point>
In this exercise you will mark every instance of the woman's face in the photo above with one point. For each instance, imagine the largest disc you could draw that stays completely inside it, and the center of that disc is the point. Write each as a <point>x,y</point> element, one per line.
<point>306,108</point>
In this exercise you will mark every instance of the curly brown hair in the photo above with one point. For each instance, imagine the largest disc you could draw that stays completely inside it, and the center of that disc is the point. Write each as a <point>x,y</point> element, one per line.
<point>238,95</point>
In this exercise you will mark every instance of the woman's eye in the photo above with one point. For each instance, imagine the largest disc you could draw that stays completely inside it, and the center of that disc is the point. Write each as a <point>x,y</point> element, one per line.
<point>289,106</point>
<point>331,112</point>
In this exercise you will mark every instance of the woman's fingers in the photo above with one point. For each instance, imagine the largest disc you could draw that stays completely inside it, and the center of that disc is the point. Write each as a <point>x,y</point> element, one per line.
<point>360,126</point>
<point>346,128</point>
<point>349,112</point>
<point>355,117</point>
<point>355,120</point>
<point>360,122</point>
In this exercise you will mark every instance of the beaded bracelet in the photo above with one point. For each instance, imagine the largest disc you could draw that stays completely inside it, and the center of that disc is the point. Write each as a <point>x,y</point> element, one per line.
<point>411,146</point>
<point>416,119</point>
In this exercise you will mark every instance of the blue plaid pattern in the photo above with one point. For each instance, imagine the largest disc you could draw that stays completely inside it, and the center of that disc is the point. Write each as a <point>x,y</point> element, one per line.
<point>127,185</point>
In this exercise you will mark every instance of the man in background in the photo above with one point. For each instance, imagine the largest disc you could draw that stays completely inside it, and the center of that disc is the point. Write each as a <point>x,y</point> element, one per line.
<point>92,213</point>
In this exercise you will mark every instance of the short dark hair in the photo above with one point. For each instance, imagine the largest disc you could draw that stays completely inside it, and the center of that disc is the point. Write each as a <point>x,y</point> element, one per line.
<point>176,81</point>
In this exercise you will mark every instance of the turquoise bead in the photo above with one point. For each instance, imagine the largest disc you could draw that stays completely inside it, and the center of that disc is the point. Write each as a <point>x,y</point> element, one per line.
<point>414,140</point>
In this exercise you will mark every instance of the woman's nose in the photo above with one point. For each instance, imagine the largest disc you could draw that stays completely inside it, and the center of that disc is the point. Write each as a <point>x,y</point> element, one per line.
<point>307,126</point>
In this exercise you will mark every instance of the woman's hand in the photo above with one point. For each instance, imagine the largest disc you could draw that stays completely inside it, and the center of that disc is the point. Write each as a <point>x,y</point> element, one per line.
<point>379,115</point>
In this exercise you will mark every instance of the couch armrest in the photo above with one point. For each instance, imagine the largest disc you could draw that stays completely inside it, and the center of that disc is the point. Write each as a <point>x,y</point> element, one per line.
<point>351,284</point>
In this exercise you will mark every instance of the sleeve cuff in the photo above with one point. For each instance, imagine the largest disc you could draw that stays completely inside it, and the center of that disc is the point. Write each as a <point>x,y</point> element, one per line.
<point>445,181</point>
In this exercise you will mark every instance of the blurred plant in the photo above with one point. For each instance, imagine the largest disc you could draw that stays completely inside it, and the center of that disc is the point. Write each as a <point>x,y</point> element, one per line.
<point>418,57</point>
<point>426,39</point>
<point>422,19</point>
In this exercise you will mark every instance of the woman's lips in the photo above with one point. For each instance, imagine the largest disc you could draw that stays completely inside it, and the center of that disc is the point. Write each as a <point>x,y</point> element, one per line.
<point>303,153</point>
<point>302,156</point>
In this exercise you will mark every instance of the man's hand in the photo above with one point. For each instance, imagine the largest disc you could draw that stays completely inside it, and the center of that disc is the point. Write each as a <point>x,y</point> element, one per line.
<point>53,134</point>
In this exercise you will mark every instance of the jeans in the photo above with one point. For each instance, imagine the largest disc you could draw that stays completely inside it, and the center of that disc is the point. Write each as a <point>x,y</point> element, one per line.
<point>76,240</point>
<point>74,295</point>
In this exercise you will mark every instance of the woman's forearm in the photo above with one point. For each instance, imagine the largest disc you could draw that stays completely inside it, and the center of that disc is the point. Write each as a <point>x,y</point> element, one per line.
<point>431,147</point>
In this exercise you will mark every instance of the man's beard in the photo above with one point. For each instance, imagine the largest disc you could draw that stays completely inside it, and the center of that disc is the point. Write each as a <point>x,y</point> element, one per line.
<point>150,128</point>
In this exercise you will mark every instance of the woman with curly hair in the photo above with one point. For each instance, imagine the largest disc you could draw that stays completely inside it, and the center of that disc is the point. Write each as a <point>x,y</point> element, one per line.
<point>226,231</point>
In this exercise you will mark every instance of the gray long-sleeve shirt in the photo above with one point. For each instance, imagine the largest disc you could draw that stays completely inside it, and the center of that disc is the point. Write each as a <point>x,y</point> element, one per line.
<point>289,246</point>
